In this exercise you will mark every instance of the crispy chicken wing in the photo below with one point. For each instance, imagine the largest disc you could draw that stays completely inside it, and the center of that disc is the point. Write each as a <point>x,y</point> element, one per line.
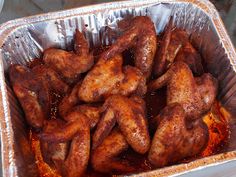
<point>70,64</point>
<point>139,34</point>
<point>33,94</point>
<point>196,95</point>
<point>108,77</point>
<point>129,113</point>
<point>105,157</point>
<point>175,137</point>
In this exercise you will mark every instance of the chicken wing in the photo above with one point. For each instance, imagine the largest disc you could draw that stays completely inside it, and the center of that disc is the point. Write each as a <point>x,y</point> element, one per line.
<point>105,157</point>
<point>76,129</point>
<point>129,113</point>
<point>108,77</point>
<point>134,82</point>
<point>54,153</point>
<point>196,95</point>
<point>172,42</point>
<point>69,100</point>
<point>175,137</point>
<point>33,94</point>
<point>139,34</point>
<point>54,81</point>
<point>68,64</point>
<point>191,57</point>
<point>92,113</point>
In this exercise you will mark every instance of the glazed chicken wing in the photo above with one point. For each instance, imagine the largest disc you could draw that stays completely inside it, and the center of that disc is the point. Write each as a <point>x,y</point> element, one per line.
<point>129,113</point>
<point>139,34</point>
<point>175,137</point>
<point>196,95</point>
<point>70,65</point>
<point>108,77</point>
<point>104,157</point>
<point>33,94</point>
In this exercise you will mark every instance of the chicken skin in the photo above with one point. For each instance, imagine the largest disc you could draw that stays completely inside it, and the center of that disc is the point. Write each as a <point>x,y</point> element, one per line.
<point>32,87</point>
<point>171,43</point>
<point>77,130</point>
<point>105,157</point>
<point>32,93</point>
<point>68,64</point>
<point>140,35</point>
<point>175,137</point>
<point>108,77</point>
<point>54,153</point>
<point>53,79</point>
<point>69,100</point>
<point>191,57</point>
<point>196,95</point>
<point>175,46</point>
<point>129,113</point>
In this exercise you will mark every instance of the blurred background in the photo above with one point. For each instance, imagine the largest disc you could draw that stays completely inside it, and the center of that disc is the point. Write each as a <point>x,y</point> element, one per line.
<point>19,8</point>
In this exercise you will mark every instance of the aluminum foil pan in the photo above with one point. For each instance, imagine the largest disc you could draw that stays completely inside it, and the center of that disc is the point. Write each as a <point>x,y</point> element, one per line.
<point>24,39</point>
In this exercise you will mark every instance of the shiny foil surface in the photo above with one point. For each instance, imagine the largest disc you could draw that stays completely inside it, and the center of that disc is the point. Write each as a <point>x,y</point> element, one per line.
<point>24,39</point>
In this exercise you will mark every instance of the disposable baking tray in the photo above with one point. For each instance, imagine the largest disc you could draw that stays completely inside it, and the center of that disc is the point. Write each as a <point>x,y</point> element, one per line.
<point>24,39</point>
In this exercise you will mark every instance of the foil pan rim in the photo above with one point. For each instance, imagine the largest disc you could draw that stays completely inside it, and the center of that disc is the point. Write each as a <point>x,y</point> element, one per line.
<point>8,26</point>
<point>8,162</point>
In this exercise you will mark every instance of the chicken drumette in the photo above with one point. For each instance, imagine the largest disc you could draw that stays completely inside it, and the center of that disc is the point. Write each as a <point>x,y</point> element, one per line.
<point>176,137</point>
<point>129,113</point>
<point>196,95</point>
<point>68,64</point>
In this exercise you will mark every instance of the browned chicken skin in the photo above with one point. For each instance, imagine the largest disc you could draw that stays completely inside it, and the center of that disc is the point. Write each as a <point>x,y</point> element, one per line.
<point>175,137</point>
<point>70,64</point>
<point>175,46</point>
<point>171,43</point>
<point>139,34</point>
<point>191,57</point>
<point>54,81</point>
<point>129,113</point>
<point>76,129</point>
<point>33,94</point>
<point>69,100</point>
<point>196,95</point>
<point>104,157</point>
<point>54,153</point>
<point>108,77</point>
